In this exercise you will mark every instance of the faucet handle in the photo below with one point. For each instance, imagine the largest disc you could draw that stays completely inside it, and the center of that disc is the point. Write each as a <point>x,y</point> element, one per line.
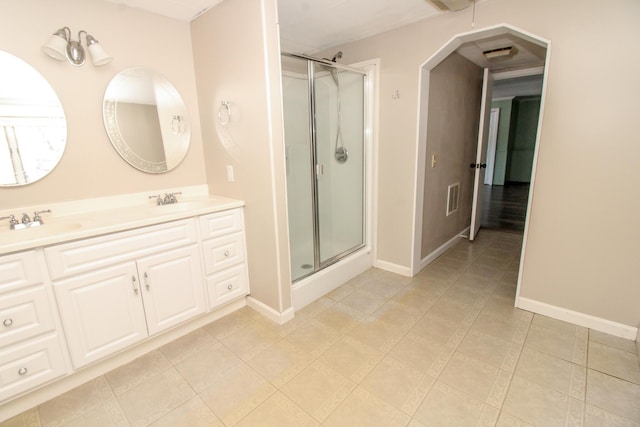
<point>158,198</point>
<point>12,220</point>
<point>171,197</point>
<point>37,217</point>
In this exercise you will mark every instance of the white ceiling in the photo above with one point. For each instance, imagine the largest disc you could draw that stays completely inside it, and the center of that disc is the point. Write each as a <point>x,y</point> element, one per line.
<point>308,26</point>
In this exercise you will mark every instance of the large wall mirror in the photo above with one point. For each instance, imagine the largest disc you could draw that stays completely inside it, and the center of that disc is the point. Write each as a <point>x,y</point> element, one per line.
<point>146,120</point>
<point>33,128</point>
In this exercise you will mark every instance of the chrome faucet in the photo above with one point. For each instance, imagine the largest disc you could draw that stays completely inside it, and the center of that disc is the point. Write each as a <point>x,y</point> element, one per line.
<point>25,221</point>
<point>170,198</point>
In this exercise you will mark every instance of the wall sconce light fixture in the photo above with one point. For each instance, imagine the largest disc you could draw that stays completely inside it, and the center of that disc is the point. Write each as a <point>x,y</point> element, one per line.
<point>60,46</point>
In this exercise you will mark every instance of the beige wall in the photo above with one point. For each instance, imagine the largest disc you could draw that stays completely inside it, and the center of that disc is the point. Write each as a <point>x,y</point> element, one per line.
<point>90,166</point>
<point>231,65</point>
<point>582,246</point>
<point>455,93</point>
<point>229,50</point>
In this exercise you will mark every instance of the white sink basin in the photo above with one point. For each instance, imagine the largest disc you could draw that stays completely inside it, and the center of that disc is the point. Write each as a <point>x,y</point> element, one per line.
<point>43,230</point>
<point>180,206</point>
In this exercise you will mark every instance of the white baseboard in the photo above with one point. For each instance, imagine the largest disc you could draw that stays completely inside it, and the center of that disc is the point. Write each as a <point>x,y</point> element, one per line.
<point>581,319</point>
<point>442,249</point>
<point>265,310</point>
<point>393,268</point>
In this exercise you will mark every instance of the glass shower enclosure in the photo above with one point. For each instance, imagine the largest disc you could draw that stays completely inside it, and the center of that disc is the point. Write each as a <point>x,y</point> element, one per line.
<point>324,122</point>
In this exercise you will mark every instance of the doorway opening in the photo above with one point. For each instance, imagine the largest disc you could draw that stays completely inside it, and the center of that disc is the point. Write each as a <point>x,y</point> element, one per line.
<point>528,56</point>
<point>515,113</point>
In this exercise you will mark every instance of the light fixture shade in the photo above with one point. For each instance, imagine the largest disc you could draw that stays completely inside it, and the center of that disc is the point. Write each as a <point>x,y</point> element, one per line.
<point>56,47</point>
<point>98,55</point>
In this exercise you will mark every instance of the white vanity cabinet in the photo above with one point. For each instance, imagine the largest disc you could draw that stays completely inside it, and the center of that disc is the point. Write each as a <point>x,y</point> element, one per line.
<point>223,246</point>
<point>116,290</point>
<point>31,349</point>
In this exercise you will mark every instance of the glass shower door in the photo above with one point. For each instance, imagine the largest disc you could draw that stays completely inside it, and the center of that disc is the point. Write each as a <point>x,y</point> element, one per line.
<point>325,157</point>
<point>339,142</point>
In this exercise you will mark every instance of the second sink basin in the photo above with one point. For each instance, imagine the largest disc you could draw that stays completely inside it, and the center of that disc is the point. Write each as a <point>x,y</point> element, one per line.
<point>180,206</point>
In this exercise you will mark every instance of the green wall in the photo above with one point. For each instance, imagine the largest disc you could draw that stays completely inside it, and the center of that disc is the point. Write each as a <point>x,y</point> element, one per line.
<point>516,140</point>
<point>523,139</point>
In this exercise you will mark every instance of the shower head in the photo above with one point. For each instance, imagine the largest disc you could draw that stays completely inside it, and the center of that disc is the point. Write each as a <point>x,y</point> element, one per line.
<point>337,56</point>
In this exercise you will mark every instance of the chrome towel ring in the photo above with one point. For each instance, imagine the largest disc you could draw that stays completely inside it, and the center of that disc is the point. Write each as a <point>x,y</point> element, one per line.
<point>224,112</point>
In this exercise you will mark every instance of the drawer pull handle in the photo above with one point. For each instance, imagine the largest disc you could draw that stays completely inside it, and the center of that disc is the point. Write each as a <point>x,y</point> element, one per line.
<point>226,253</point>
<point>133,283</point>
<point>229,286</point>
<point>22,371</point>
<point>8,322</point>
<point>146,281</point>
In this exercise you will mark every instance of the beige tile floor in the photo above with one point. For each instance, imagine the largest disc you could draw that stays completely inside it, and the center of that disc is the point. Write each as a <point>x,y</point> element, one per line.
<point>445,348</point>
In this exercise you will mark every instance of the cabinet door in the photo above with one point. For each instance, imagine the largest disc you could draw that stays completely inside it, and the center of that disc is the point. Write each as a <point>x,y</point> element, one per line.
<point>173,287</point>
<point>101,312</point>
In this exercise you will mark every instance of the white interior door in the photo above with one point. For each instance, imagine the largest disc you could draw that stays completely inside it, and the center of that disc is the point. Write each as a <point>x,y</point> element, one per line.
<point>480,165</point>
<point>491,147</point>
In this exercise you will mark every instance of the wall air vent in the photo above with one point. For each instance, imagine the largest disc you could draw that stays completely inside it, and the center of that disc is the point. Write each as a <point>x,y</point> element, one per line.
<point>453,198</point>
<point>451,5</point>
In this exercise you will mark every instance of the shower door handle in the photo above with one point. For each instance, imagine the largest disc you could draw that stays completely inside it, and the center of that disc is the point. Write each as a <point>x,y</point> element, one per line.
<point>319,170</point>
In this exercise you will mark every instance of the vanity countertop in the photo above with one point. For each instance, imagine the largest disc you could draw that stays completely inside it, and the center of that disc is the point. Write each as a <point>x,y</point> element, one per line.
<point>64,228</point>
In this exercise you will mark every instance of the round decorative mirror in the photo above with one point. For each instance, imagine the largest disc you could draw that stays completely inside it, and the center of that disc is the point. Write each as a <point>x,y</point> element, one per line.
<point>33,128</point>
<point>146,120</point>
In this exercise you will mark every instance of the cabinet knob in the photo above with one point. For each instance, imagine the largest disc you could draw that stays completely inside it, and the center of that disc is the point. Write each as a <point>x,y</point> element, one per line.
<point>226,253</point>
<point>146,281</point>
<point>229,286</point>
<point>8,322</point>
<point>22,371</point>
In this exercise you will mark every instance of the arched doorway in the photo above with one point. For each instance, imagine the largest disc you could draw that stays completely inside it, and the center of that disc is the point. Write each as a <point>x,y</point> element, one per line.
<point>489,50</point>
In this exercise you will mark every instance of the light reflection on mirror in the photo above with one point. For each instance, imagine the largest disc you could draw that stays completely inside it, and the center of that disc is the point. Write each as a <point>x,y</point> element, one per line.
<point>33,129</point>
<point>146,120</point>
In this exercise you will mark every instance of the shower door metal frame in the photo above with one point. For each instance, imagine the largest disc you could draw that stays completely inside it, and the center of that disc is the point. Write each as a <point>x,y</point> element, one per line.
<point>318,263</point>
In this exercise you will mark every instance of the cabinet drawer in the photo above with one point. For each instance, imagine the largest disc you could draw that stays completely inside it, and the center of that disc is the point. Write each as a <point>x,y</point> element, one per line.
<point>227,285</point>
<point>223,252</point>
<point>18,271</point>
<point>30,364</point>
<point>221,223</point>
<point>90,254</point>
<point>24,314</point>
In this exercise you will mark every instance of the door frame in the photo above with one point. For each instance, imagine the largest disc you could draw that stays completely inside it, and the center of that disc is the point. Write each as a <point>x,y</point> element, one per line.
<point>417,262</point>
